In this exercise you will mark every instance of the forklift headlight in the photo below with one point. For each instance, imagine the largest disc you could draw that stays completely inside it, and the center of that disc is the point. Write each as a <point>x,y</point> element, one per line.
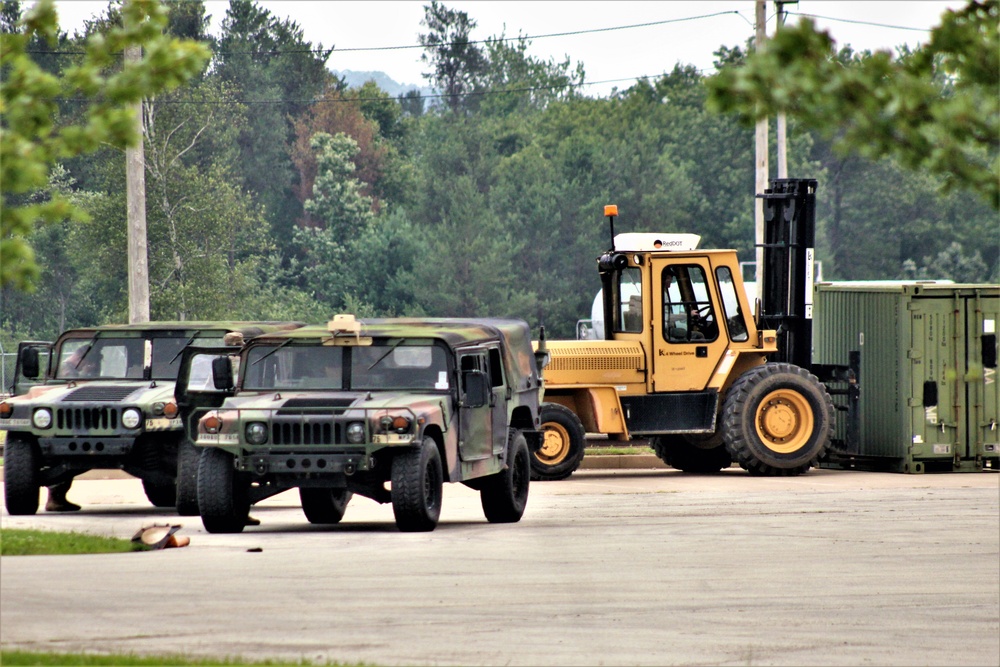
<point>355,433</point>
<point>42,418</point>
<point>131,418</point>
<point>256,433</point>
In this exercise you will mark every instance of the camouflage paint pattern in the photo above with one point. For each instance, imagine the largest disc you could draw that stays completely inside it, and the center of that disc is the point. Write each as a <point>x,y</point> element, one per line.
<point>306,428</point>
<point>87,430</point>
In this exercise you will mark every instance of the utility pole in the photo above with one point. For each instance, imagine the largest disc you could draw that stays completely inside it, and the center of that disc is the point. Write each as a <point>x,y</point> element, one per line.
<point>780,125</point>
<point>135,195</point>
<point>761,166</point>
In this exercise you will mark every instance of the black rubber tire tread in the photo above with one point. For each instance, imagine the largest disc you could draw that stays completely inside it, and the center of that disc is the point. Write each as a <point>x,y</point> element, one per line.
<point>417,487</point>
<point>188,457</point>
<point>505,494</point>
<point>678,451</point>
<point>20,475</point>
<point>223,494</point>
<point>740,407</point>
<point>560,414</point>
<point>160,495</point>
<point>324,506</point>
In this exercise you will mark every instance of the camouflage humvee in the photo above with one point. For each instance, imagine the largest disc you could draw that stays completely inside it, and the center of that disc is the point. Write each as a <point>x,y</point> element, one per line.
<point>344,408</point>
<point>103,397</point>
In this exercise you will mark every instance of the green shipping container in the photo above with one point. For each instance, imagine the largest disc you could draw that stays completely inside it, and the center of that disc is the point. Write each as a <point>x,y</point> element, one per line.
<point>928,399</point>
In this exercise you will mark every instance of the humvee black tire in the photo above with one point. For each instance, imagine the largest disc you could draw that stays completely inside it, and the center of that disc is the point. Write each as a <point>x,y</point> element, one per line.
<point>683,453</point>
<point>20,475</point>
<point>324,505</point>
<point>505,494</point>
<point>563,443</point>
<point>161,495</point>
<point>188,457</point>
<point>417,487</point>
<point>223,493</point>
<point>777,420</point>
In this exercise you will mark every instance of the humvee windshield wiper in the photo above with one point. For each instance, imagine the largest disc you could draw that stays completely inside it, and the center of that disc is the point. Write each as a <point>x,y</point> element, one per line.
<point>89,346</point>
<point>268,354</point>
<point>386,354</point>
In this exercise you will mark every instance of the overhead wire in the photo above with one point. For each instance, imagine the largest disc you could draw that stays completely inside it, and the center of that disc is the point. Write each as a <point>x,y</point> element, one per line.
<point>566,86</point>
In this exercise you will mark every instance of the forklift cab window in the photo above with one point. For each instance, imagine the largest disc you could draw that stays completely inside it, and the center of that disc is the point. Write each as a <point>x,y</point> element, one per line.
<point>688,315</point>
<point>629,300</point>
<point>731,305</point>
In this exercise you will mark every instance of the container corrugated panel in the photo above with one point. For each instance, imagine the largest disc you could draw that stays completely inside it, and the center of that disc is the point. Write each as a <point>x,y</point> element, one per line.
<point>928,401</point>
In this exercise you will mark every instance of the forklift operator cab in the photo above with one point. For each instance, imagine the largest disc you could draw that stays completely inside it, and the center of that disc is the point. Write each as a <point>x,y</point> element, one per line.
<point>694,313</point>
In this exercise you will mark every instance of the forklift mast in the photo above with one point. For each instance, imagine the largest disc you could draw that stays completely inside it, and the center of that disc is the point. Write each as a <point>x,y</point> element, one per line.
<point>789,249</point>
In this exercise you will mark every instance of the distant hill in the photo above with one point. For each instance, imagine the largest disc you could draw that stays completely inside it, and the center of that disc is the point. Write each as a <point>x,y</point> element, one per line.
<point>382,80</point>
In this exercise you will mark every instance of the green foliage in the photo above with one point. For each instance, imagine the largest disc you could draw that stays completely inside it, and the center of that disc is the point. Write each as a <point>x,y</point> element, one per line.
<point>950,264</point>
<point>130,659</point>
<point>20,542</point>
<point>936,110</point>
<point>32,141</point>
<point>274,192</point>
<point>275,72</point>
<point>456,63</point>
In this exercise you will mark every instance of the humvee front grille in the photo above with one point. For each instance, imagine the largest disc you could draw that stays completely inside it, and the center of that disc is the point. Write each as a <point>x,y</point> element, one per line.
<point>305,433</point>
<point>87,418</point>
<point>98,393</point>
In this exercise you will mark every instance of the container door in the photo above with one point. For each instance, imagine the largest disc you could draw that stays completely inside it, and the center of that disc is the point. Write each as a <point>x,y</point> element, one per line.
<point>983,313</point>
<point>937,368</point>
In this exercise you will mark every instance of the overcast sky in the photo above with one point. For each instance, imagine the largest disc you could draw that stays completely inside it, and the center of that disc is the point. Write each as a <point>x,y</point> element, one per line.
<point>615,57</point>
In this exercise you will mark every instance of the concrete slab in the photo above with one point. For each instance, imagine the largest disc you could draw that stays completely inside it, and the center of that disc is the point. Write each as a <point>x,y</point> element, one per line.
<point>609,567</point>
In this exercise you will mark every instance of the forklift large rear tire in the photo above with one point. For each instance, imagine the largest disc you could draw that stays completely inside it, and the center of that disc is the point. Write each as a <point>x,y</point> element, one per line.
<point>683,453</point>
<point>563,444</point>
<point>777,420</point>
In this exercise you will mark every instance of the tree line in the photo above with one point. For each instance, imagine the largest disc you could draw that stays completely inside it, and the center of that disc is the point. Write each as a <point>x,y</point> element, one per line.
<point>275,191</point>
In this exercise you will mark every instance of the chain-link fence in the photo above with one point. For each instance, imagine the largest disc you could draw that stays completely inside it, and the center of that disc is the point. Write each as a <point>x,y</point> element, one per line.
<point>8,360</point>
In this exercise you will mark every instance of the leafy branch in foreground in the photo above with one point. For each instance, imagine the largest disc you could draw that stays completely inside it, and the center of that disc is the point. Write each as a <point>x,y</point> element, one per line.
<point>32,142</point>
<point>936,109</point>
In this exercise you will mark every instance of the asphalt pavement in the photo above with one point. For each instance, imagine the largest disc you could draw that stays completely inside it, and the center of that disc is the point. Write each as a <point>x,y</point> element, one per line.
<point>609,567</point>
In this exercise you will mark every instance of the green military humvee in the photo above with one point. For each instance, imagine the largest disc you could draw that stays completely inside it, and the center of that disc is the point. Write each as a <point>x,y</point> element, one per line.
<point>344,408</point>
<point>103,398</point>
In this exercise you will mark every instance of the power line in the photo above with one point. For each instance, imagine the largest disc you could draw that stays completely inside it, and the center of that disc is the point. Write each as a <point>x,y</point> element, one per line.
<point>480,41</point>
<point>856,22</point>
<point>553,34</point>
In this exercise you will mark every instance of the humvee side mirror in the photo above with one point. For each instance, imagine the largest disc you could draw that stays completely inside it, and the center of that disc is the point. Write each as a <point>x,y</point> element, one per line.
<point>477,393</point>
<point>29,363</point>
<point>222,373</point>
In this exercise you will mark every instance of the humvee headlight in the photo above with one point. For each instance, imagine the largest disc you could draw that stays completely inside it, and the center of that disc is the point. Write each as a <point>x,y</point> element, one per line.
<point>355,433</point>
<point>42,418</point>
<point>131,418</point>
<point>256,433</point>
<point>168,410</point>
<point>397,424</point>
<point>211,424</point>
<point>6,410</point>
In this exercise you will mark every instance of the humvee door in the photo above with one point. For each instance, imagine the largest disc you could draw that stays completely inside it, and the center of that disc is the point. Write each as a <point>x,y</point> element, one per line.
<point>31,367</point>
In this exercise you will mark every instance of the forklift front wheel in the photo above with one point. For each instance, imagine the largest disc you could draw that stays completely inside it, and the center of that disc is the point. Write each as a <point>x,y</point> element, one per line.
<point>563,443</point>
<point>777,420</point>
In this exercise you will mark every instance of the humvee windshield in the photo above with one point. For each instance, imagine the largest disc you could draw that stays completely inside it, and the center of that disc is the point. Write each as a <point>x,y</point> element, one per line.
<point>393,364</point>
<point>117,358</point>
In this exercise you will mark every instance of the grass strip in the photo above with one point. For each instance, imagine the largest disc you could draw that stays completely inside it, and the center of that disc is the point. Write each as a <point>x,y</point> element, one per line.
<point>21,542</point>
